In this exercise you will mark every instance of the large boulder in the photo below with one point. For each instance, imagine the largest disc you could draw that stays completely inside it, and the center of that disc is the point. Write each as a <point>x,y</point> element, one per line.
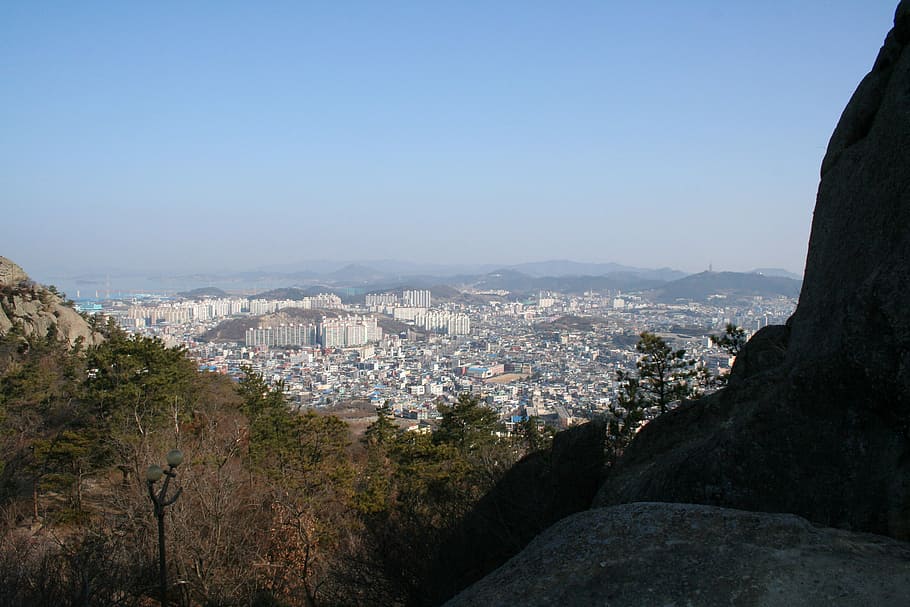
<point>683,554</point>
<point>539,490</point>
<point>816,420</point>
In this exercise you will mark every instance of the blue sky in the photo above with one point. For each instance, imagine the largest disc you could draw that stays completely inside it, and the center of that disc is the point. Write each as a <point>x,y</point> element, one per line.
<point>218,136</point>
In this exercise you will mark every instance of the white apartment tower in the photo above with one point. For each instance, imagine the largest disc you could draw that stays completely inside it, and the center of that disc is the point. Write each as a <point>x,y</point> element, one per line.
<point>416,299</point>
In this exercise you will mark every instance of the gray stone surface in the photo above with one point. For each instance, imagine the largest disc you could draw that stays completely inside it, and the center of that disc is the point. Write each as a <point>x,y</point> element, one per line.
<point>764,352</point>
<point>683,554</point>
<point>10,273</point>
<point>5,323</point>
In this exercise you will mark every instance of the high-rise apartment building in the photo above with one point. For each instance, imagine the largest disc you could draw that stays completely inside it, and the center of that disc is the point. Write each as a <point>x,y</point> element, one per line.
<point>348,331</point>
<point>282,335</point>
<point>416,299</point>
<point>374,300</point>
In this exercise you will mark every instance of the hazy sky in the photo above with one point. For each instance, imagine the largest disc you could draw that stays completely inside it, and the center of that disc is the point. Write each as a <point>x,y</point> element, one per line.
<point>222,135</point>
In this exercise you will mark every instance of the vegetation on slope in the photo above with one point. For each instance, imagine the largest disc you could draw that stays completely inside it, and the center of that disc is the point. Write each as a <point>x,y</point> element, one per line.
<point>279,507</point>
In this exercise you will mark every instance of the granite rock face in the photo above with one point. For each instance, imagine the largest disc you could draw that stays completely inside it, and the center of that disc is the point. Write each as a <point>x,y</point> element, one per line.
<point>539,490</point>
<point>684,554</point>
<point>36,310</point>
<point>816,419</point>
<point>10,273</point>
<point>764,352</point>
<point>854,303</point>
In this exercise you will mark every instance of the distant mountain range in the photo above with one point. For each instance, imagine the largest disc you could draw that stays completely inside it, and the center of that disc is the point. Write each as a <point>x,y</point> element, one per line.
<point>353,281</point>
<point>515,281</point>
<point>700,287</point>
<point>350,280</point>
<point>573,268</point>
<point>376,273</point>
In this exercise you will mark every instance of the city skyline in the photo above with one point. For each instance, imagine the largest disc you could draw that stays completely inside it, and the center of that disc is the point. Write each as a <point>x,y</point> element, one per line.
<point>227,138</point>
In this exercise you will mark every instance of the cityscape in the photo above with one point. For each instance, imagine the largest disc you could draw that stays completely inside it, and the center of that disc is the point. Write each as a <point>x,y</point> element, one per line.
<point>554,356</point>
<point>455,304</point>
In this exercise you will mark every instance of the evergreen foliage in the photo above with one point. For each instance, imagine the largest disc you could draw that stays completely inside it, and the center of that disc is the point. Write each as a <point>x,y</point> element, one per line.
<point>732,340</point>
<point>664,374</point>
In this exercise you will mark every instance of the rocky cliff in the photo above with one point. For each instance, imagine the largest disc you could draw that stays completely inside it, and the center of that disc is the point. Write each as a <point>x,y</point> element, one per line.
<point>853,306</point>
<point>36,310</point>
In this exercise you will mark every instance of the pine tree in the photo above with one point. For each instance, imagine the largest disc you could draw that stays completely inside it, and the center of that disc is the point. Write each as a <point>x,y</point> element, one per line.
<point>733,339</point>
<point>664,374</point>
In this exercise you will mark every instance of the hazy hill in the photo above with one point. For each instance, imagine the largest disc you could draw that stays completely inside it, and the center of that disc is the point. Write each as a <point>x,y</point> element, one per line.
<point>517,282</point>
<point>203,292</point>
<point>391,326</point>
<point>557,268</point>
<point>293,293</point>
<point>564,267</point>
<point>508,280</point>
<point>440,293</point>
<point>571,322</point>
<point>734,285</point>
<point>447,294</point>
<point>234,329</point>
<point>776,272</point>
<point>379,274</point>
<point>356,273</point>
<point>624,281</point>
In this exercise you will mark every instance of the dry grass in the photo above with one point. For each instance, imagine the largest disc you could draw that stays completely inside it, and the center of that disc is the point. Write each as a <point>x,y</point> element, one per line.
<point>506,378</point>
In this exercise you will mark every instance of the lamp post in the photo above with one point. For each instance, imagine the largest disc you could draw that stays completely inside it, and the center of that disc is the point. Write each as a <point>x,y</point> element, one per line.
<point>160,501</point>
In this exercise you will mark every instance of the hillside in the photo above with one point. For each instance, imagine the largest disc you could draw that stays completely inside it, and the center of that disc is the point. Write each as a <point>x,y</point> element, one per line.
<point>730,285</point>
<point>440,293</point>
<point>234,329</point>
<point>203,292</point>
<point>395,327</point>
<point>295,293</point>
<point>571,322</point>
<point>777,272</point>
<point>520,283</point>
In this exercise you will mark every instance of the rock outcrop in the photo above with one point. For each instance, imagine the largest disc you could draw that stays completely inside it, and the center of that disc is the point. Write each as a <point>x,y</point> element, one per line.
<point>853,305</point>
<point>683,554</point>
<point>36,310</point>
<point>816,420</point>
<point>11,274</point>
<point>539,490</point>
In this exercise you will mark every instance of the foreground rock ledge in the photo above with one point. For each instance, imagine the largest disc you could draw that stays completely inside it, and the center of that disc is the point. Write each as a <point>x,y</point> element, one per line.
<point>686,554</point>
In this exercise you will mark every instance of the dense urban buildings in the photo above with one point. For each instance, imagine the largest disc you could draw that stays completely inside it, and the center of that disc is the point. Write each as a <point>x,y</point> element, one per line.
<point>555,356</point>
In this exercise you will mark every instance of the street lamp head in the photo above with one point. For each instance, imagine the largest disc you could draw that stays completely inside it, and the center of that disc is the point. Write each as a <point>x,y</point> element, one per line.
<point>174,458</point>
<point>154,473</point>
